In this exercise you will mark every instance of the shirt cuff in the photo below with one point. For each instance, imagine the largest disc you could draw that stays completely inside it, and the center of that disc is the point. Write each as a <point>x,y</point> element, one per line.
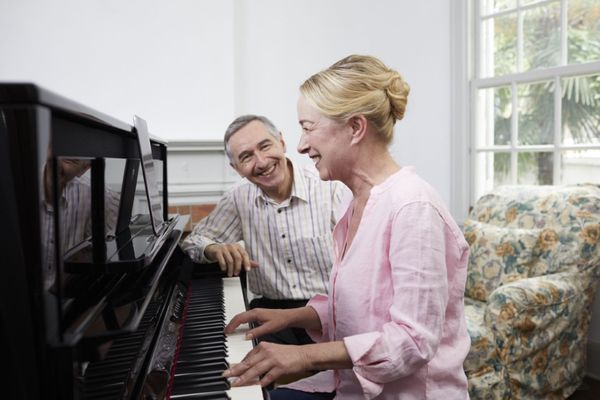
<point>322,382</point>
<point>195,249</point>
<point>320,304</point>
<point>358,347</point>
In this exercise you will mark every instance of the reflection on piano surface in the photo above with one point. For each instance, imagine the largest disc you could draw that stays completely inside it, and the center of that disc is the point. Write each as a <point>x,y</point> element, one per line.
<point>95,303</point>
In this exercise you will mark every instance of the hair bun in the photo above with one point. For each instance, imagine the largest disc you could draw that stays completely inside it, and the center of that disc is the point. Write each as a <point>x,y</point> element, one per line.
<point>397,92</point>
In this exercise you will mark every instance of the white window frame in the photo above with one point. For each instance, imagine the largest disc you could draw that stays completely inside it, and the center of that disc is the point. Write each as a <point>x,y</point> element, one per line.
<point>464,89</point>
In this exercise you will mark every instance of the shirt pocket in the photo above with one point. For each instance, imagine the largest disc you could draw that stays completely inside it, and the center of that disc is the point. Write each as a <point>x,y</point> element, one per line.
<point>315,256</point>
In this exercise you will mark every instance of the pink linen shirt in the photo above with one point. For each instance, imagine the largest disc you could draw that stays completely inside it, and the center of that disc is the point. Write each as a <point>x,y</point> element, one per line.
<point>396,299</point>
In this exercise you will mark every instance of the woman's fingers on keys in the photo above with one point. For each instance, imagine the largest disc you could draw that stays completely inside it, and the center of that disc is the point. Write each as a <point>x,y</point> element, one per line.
<point>239,319</point>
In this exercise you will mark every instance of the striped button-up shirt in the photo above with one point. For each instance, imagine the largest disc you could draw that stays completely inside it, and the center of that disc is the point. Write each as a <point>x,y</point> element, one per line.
<point>291,240</point>
<point>75,221</point>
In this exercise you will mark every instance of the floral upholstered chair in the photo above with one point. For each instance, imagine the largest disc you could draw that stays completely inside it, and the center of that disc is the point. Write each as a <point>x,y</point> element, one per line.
<point>533,270</point>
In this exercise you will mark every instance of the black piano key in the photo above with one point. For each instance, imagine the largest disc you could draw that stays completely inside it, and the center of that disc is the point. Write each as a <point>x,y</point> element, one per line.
<point>194,355</point>
<point>215,373</point>
<point>202,349</point>
<point>205,366</point>
<point>200,386</point>
<point>184,362</point>
<point>202,396</point>
<point>189,380</point>
<point>199,327</point>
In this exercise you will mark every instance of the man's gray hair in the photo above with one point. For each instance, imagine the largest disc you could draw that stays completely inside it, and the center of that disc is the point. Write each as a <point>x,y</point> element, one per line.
<point>244,120</point>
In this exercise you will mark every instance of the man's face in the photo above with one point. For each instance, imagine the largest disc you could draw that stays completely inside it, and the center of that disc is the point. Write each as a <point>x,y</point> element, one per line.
<point>259,157</point>
<point>69,168</point>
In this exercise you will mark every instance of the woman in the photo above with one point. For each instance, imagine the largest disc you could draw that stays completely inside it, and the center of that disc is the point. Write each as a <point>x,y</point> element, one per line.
<point>392,326</point>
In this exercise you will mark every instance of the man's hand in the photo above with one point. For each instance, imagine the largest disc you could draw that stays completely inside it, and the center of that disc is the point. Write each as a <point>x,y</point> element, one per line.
<point>271,360</point>
<point>231,258</point>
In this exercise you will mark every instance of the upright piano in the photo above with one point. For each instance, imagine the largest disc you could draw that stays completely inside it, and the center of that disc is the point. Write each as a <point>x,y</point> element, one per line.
<point>96,302</point>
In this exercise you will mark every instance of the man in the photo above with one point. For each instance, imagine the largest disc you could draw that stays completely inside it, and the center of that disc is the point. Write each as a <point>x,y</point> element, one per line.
<point>283,213</point>
<point>75,201</point>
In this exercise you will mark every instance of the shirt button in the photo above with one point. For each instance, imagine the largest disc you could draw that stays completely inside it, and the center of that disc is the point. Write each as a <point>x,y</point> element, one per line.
<point>289,260</point>
<point>283,236</point>
<point>294,287</point>
<point>279,211</point>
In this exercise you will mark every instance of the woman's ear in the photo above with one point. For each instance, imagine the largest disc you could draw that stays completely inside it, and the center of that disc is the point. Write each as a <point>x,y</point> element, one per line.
<point>359,125</point>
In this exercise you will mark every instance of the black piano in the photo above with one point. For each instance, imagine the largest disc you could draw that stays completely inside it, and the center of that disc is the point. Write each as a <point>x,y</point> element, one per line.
<point>97,301</point>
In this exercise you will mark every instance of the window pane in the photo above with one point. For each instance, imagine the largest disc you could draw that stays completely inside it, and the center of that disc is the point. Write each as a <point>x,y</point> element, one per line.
<point>496,109</point>
<point>491,169</point>
<point>501,169</point>
<point>584,31</point>
<point>499,45</point>
<point>490,6</point>
<point>536,113</point>
<point>580,166</point>
<point>541,36</point>
<point>535,168</point>
<point>580,110</point>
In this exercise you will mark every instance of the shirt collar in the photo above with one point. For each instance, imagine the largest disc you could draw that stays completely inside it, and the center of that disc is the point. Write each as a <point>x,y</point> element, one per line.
<point>298,186</point>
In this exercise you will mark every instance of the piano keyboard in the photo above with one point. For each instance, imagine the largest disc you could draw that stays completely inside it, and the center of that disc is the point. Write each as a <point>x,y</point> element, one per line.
<point>203,351</point>
<point>107,379</point>
<point>196,353</point>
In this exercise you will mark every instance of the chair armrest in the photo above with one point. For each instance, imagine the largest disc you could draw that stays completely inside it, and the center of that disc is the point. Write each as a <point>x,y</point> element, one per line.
<point>527,315</point>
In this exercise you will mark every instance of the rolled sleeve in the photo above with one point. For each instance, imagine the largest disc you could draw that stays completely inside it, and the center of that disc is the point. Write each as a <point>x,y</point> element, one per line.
<point>360,349</point>
<point>381,357</point>
<point>222,225</point>
<point>320,304</point>
<point>194,246</point>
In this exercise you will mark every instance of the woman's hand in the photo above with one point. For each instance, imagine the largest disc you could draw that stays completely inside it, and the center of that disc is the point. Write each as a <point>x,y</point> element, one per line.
<point>274,320</point>
<point>271,320</point>
<point>270,361</point>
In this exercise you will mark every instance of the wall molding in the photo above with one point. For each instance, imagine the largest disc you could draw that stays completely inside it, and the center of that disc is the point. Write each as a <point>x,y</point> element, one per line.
<point>175,146</point>
<point>198,172</point>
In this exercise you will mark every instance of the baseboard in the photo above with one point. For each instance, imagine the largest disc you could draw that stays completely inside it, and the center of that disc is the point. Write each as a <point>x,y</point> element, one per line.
<point>593,360</point>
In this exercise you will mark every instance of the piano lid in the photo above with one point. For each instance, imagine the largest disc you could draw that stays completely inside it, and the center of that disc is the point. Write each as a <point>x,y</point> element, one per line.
<point>31,93</point>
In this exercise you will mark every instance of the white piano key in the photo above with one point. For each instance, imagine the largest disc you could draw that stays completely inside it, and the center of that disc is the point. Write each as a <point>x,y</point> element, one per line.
<point>237,345</point>
<point>245,392</point>
<point>234,304</point>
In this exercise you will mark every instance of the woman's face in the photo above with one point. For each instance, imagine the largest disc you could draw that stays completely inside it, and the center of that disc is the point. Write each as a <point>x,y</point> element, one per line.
<point>325,141</point>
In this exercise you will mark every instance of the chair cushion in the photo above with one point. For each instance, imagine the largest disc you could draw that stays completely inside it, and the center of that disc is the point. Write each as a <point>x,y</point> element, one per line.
<point>539,206</point>
<point>498,256</point>
<point>483,346</point>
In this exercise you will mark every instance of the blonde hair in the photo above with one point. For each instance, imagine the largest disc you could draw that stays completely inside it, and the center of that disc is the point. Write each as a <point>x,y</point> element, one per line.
<point>359,85</point>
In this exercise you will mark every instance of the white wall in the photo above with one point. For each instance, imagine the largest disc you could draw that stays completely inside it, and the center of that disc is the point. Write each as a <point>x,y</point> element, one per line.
<point>281,43</point>
<point>170,62</point>
<point>189,66</point>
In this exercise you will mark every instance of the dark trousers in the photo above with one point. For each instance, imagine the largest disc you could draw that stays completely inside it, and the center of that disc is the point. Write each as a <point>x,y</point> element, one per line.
<point>295,336</point>
<point>291,394</point>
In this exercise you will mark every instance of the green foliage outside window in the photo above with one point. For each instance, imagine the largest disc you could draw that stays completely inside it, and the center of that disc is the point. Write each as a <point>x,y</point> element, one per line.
<point>580,95</point>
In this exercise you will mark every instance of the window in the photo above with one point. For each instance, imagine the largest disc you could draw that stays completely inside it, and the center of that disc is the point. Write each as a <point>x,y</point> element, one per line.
<point>534,93</point>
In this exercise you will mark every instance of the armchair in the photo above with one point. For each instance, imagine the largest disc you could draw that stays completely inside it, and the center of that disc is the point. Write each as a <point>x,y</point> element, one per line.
<point>534,268</point>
